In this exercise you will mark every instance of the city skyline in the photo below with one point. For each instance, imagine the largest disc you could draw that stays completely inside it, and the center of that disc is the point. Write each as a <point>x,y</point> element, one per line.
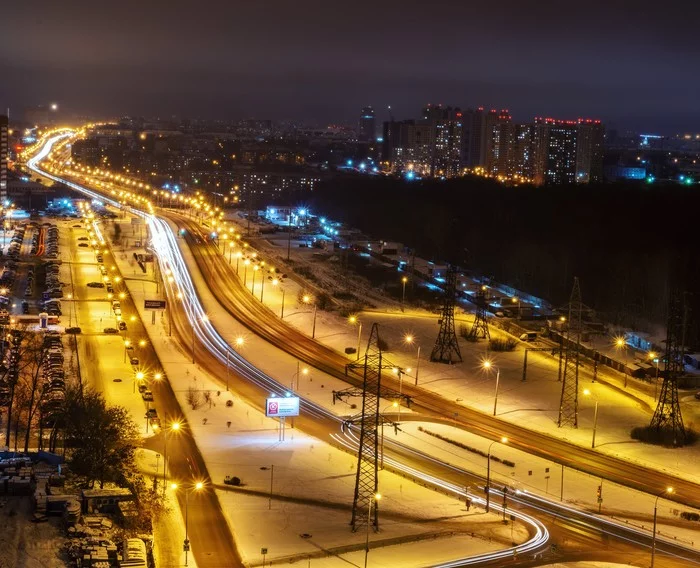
<point>312,62</point>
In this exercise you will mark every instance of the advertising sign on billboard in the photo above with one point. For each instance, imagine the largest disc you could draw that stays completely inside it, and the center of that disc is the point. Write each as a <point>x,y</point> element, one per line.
<point>280,407</point>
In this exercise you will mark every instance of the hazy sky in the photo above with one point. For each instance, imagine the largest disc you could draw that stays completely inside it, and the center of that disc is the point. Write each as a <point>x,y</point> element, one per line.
<point>634,64</point>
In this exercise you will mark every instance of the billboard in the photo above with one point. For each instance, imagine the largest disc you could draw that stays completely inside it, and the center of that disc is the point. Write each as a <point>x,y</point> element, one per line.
<point>279,407</point>
<point>154,304</point>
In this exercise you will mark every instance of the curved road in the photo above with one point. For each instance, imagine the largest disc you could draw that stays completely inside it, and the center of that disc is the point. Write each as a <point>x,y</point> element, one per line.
<point>240,303</point>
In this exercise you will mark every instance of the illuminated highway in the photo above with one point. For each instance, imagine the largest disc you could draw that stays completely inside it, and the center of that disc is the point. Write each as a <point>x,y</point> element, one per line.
<point>244,307</point>
<point>188,315</point>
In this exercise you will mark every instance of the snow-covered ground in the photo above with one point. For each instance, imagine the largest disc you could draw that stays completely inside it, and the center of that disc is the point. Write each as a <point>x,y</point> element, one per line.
<point>312,481</point>
<point>533,403</point>
<point>579,488</point>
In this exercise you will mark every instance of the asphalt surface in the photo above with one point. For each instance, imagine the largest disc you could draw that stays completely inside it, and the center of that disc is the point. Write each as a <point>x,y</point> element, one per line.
<point>575,531</point>
<point>241,304</point>
<point>581,532</point>
<point>211,540</point>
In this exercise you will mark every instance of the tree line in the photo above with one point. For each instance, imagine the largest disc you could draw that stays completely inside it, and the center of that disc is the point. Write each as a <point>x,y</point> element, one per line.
<point>628,243</point>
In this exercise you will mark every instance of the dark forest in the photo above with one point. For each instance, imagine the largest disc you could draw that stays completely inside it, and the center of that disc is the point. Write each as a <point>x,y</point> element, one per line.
<point>629,244</point>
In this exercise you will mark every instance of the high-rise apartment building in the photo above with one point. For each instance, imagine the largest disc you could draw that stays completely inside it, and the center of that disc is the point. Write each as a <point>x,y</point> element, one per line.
<point>4,156</point>
<point>472,127</point>
<point>523,151</point>
<point>367,131</point>
<point>554,150</point>
<point>589,151</point>
<point>445,141</point>
<point>500,145</point>
<point>431,146</point>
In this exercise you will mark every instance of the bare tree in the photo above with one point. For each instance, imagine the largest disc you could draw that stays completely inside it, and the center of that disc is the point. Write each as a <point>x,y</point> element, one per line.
<point>24,398</point>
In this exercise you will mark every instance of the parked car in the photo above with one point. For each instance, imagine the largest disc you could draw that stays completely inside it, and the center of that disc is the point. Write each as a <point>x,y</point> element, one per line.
<point>122,326</point>
<point>143,388</point>
<point>74,330</point>
<point>135,361</point>
<point>96,284</point>
<point>147,395</point>
<point>111,330</point>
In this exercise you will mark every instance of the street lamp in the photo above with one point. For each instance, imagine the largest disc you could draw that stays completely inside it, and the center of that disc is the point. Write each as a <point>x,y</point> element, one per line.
<point>239,344</point>
<point>174,427</point>
<point>262,285</point>
<point>503,440</point>
<point>353,320</point>
<point>620,343</point>
<point>307,300</point>
<point>408,340</point>
<point>246,262</point>
<point>252,286</point>
<point>516,299</point>
<point>372,502</point>
<point>403,291</point>
<point>595,417</point>
<point>655,359</point>
<point>196,487</point>
<point>298,374</point>
<point>668,491</point>
<point>276,282</point>
<point>137,376</point>
<point>488,365</point>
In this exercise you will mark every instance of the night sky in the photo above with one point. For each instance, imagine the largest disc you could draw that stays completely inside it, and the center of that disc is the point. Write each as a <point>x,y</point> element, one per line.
<point>633,64</point>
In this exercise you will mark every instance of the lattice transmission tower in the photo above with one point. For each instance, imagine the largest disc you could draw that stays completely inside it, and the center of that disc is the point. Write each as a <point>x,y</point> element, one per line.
<point>668,411</point>
<point>480,328</point>
<point>366,481</point>
<point>568,403</point>
<point>446,349</point>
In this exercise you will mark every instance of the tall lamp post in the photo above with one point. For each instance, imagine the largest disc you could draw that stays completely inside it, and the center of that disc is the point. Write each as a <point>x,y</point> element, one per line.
<point>174,427</point>
<point>409,339</point>
<point>262,285</point>
<point>403,292</point>
<point>246,262</point>
<point>276,282</point>
<point>196,487</point>
<point>372,503</point>
<point>620,343</point>
<point>488,365</point>
<point>307,300</point>
<point>514,300</point>
<point>256,267</point>
<point>595,417</point>
<point>503,440</point>
<point>353,320</point>
<point>667,491</point>
<point>138,377</point>
<point>655,358</point>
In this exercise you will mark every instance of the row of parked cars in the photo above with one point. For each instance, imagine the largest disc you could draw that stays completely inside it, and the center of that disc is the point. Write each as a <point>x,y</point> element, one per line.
<point>7,280</point>
<point>54,286</point>
<point>53,394</point>
<point>51,241</point>
<point>10,364</point>
<point>16,242</point>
